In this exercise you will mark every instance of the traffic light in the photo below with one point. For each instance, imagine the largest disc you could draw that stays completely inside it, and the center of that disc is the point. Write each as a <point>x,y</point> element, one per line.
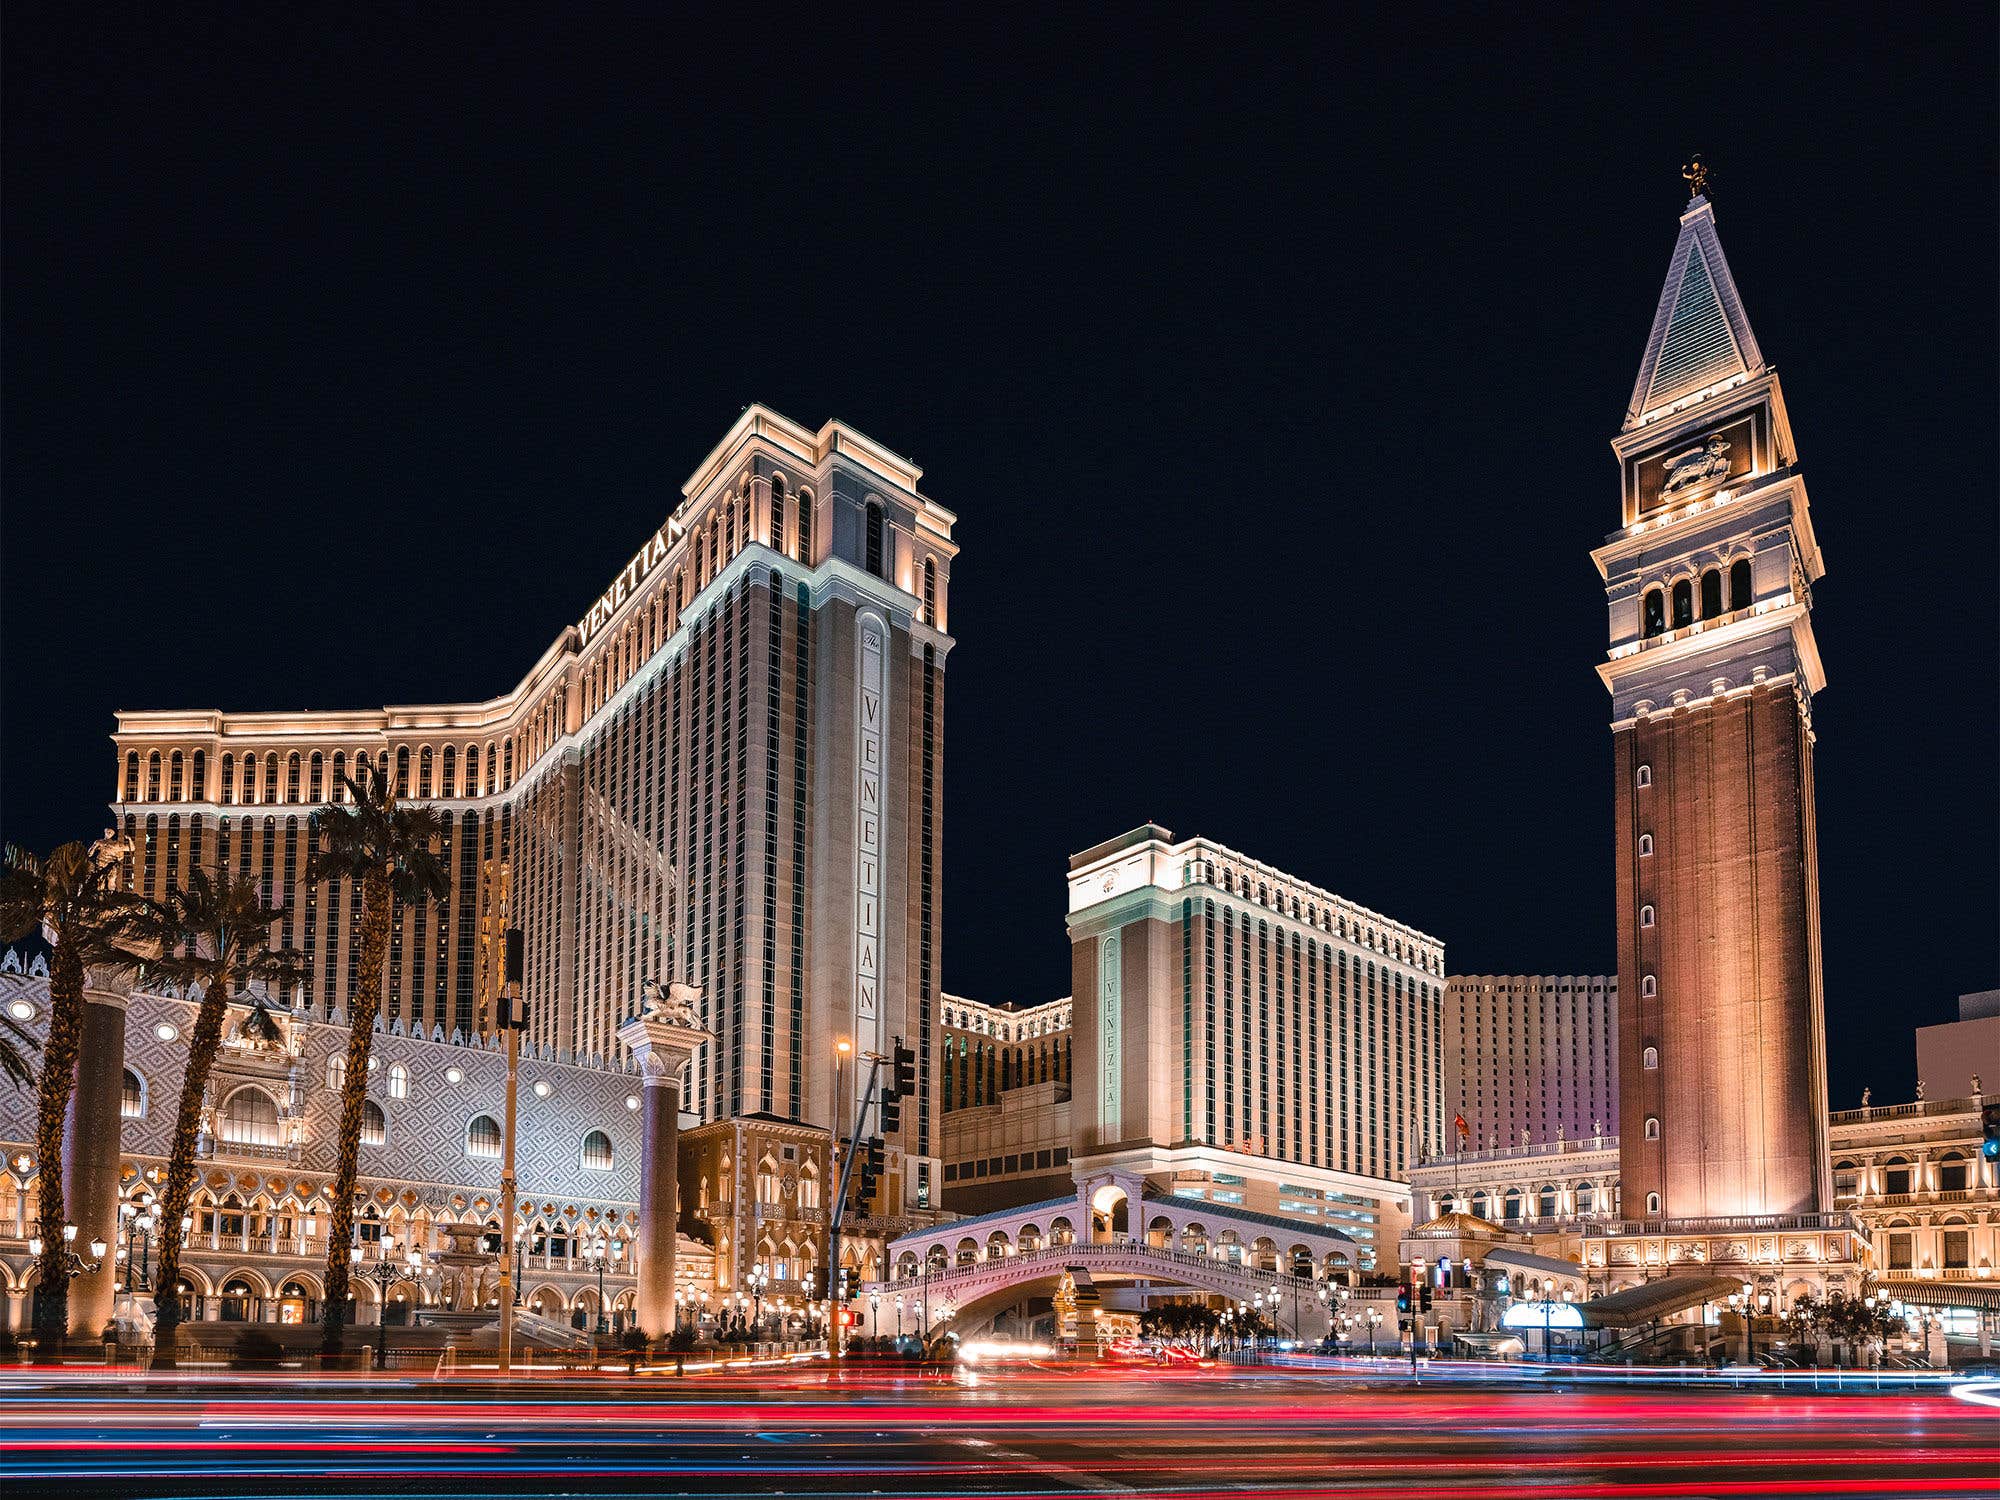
<point>1424,1303</point>
<point>515,1016</point>
<point>892,1111</point>
<point>871,1165</point>
<point>1989,1129</point>
<point>906,1070</point>
<point>1402,1299</point>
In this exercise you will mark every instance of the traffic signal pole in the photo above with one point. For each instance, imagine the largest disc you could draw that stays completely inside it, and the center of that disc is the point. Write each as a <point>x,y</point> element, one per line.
<point>835,1281</point>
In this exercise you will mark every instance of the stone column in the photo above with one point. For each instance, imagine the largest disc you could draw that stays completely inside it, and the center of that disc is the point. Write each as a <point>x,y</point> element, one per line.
<point>91,1159</point>
<point>663,1039</point>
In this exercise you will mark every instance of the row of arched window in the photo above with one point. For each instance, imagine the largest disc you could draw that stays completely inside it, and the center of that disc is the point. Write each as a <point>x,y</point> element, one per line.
<point>296,777</point>
<point>1673,607</point>
<point>1238,883</point>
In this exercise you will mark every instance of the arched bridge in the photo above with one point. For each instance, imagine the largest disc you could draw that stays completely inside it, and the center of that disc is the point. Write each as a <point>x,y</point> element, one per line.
<point>971,1294</point>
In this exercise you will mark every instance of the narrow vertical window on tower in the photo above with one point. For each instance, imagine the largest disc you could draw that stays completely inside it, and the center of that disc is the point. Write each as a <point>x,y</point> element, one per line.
<point>777,513</point>
<point>1711,593</point>
<point>877,525</point>
<point>930,592</point>
<point>1739,583</point>
<point>1683,604</point>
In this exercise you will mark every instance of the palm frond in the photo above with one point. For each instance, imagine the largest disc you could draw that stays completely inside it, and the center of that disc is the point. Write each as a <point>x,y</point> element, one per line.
<point>16,1046</point>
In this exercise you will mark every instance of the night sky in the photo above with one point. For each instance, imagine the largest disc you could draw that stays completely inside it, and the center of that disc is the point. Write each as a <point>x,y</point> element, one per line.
<point>1270,375</point>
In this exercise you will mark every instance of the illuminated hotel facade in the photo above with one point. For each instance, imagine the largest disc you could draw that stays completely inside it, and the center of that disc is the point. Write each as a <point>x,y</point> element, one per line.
<point>729,771</point>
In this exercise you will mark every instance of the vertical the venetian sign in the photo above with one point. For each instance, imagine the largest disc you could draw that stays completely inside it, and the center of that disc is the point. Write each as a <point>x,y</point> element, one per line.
<point>1110,1064</point>
<point>868,837</point>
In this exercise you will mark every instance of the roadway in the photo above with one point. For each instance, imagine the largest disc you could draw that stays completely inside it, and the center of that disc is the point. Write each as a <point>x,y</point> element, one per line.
<point>1032,1430</point>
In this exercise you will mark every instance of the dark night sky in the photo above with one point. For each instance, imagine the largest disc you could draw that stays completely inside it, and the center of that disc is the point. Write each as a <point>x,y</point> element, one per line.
<point>1270,375</point>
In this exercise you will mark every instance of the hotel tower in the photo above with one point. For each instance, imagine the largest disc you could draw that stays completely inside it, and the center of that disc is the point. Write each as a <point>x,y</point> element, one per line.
<point>729,771</point>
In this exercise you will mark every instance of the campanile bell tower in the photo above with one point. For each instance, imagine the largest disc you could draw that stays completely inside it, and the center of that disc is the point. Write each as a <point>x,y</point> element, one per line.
<point>1712,672</point>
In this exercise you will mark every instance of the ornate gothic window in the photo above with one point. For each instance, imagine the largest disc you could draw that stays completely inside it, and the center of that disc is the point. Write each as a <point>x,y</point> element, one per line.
<point>374,1124</point>
<point>132,1097</point>
<point>399,1081</point>
<point>482,1137</point>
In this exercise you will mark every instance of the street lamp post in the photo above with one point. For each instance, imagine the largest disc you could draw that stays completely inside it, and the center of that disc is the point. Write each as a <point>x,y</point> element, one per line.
<point>387,1274</point>
<point>77,1265</point>
<point>598,1253</point>
<point>899,1318</point>
<point>1374,1324</point>
<point>757,1280</point>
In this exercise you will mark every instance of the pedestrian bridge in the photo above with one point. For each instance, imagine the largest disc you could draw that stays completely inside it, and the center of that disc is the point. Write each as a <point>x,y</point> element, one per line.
<point>971,1269</point>
<point>969,1295</point>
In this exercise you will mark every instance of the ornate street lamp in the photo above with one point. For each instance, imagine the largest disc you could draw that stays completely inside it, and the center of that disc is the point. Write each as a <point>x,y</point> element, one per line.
<point>387,1273</point>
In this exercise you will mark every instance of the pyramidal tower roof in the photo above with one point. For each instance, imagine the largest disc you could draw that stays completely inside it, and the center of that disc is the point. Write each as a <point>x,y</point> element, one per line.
<point>1700,333</point>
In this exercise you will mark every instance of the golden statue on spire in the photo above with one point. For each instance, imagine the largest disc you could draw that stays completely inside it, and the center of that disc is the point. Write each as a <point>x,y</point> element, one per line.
<point>1697,178</point>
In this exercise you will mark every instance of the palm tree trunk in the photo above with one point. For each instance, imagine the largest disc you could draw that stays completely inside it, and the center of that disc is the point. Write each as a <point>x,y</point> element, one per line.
<point>202,1045</point>
<point>58,1082</point>
<point>375,909</point>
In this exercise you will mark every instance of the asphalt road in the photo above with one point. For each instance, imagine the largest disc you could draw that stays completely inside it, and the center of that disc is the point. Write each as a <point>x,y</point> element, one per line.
<point>1047,1430</point>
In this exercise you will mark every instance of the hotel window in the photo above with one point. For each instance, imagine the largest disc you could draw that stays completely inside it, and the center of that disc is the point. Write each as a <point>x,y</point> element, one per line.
<point>1957,1249</point>
<point>1739,584</point>
<point>877,547</point>
<point>399,1081</point>
<point>1645,916</point>
<point>292,777</point>
<point>1683,604</point>
<point>482,1137</point>
<point>153,777</point>
<point>316,786</point>
<point>339,776</point>
<point>198,777</point>
<point>1900,1257</point>
<point>1652,1128</point>
<point>271,777</point>
<point>1645,845</point>
<point>174,769</point>
<point>374,1124</point>
<point>597,1152</point>
<point>1896,1176</point>
<point>424,772</point>
<point>402,770</point>
<point>930,592</point>
<point>1645,776</point>
<point>448,786</point>
<point>777,512</point>
<point>1952,1175</point>
<point>131,775</point>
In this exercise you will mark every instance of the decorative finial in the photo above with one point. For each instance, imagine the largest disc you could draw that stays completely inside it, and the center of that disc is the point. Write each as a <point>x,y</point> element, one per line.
<point>1697,178</point>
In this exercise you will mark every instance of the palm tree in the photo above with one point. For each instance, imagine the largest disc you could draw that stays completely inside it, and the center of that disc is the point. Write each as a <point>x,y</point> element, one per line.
<point>214,935</point>
<point>390,852</point>
<point>73,896</point>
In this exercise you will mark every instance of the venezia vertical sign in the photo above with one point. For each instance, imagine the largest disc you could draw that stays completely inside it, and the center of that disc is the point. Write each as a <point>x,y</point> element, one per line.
<point>1109,1019</point>
<point>870,708</point>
